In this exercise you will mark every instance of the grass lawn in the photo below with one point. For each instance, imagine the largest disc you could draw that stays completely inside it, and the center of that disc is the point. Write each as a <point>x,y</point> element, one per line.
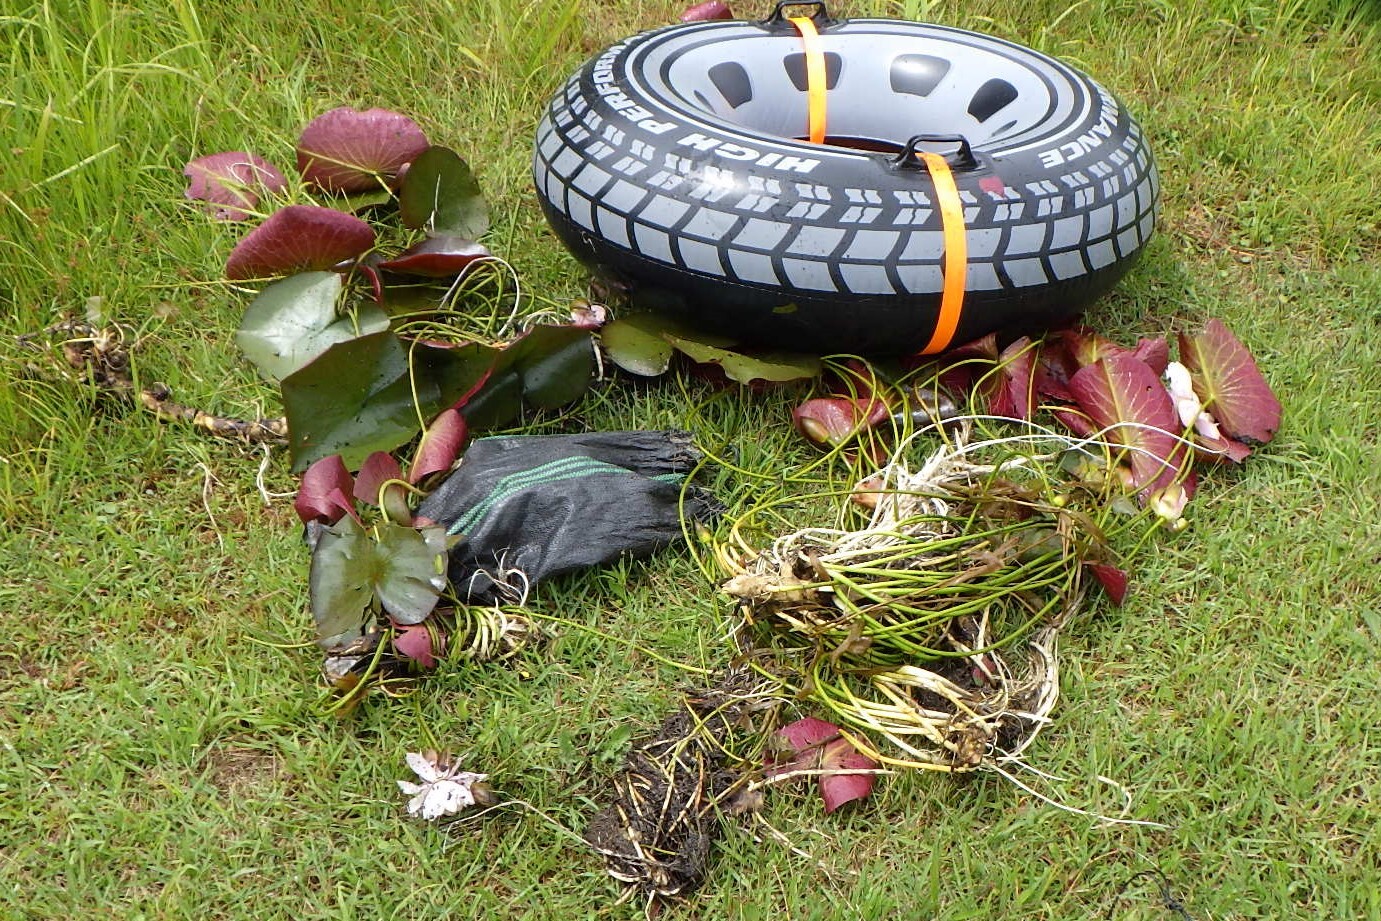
<point>163,747</point>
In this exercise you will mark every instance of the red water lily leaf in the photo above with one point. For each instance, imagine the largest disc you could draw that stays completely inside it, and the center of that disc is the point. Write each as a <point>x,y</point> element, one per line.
<point>323,494</point>
<point>1113,580</point>
<point>1217,450</point>
<point>1083,347</point>
<point>1120,393</point>
<point>711,9</point>
<point>842,786</point>
<point>378,468</point>
<point>437,257</point>
<point>299,238</point>
<point>346,150</point>
<point>1055,366</point>
<point>1229,384</point>
<point>440,445</point>
<point>831,421</point>
<point>807,733</point>
<point>414,641</point>
<point>964,364</point>
<point>1013,392</point>
<point>1155,352</point>
<point>230,183</point>
<point>814,745</point>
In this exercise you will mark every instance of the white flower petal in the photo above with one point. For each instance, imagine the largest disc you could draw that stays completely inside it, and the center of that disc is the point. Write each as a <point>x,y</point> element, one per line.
<point>423,767</point>
<point>408,788</point>
<point>1207,426</point>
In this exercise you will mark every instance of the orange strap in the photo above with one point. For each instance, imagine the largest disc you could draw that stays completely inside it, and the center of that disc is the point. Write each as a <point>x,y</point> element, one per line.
<point>815,77</point>
<point>956,252</point>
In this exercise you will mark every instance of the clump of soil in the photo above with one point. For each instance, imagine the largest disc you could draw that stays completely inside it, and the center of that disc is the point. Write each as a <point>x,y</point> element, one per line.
<point>658,832</point>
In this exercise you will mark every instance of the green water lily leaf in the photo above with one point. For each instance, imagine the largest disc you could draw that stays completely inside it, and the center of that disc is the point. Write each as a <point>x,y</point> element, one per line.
<point>293,321</point>
<point>361,396</point>
<point>547,368</point>
<point>402,569</point>
<point>440,194</point>
<point>410,570</point>
<point>773,366</point>
<point>636,344</point>
<point>642,343</point>
<point>339,586</point>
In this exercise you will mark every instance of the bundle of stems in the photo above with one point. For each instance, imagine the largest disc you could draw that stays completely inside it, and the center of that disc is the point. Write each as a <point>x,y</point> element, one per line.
<point>932,624</point>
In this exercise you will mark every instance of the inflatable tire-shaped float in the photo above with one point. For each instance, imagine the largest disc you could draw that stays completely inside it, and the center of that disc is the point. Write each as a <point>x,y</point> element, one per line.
<point>673,163</point>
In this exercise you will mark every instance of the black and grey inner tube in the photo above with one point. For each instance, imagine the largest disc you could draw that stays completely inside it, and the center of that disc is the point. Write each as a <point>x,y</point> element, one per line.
<point>676,163</point>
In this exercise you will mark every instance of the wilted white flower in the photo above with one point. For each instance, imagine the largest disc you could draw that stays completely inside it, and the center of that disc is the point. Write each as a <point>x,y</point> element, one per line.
<point>1187,403</point>
<point>444,790</point>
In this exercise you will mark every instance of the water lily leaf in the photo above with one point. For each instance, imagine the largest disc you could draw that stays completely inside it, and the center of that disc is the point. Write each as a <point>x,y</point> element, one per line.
<point>358,396</point>
<point>229,183</point>
<point>841,785</point>
<point>642,343</point>
<point>1113,580</point>
<point>1123,394</point>
<point>440,445</point>
<point>378,468</point>
<point>353,400</point>
<point>635,343</point>
<point>774,366</point>
<point>323,494</point>
<point>807,734</point>
<point>346,150</point>
<point>437,257</point>
<point>363,202</point>
<point>1230,385</point>
<point>339,583</point>
<point>401,568</point>
<point>299,238</point>
<point>811,744</point>
<point>415,642</point>
<point>294,320</point>
<point>833,421</point>
<point>1013,392</point>
<point>441,195</point>
<point>410,571</point>
<point>547,368</point>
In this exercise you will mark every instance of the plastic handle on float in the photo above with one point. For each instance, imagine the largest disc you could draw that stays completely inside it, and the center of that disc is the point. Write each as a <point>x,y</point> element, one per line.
<point>821,16</point>
<point>964,158</point>
<point>816,82</point>
<point>956,258</point>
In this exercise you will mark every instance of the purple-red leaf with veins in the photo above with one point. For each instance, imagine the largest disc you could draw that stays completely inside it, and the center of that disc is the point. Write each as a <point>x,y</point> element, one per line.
<point>1229,384</point>
<point>1083,346</point>
<point>323,494</point>
<point>440,445</point>
<point>807,734</point>
<point>377,469</point>
<point>814,745</point>
<point>1013,391</point>
<point>299,238</point>
<point>346,150</point>
<point>1120,393</point>
<point>832,421</point>
<point>840,786</point>
<point>436,257</point>
<point>1113,580</point>
<point>711,9</point>
<point>230,183</point>
<point>415,642</point>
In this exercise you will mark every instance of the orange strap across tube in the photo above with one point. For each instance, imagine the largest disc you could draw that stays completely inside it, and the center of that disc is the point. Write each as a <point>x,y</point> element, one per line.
<point>956,252</point>
<point>815,77</point>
